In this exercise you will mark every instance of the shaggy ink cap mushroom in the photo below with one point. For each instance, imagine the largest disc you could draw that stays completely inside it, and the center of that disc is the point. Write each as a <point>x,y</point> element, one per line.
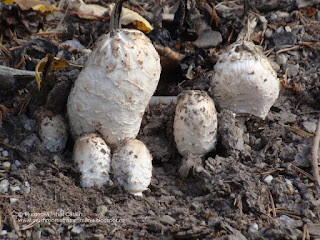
<point>244,81</point>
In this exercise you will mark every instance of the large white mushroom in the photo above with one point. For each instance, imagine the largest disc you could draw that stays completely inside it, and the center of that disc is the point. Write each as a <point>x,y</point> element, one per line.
<point>195,123</point>
<point>113,90</point>
<point>132,166</point>
<point>244,81</point>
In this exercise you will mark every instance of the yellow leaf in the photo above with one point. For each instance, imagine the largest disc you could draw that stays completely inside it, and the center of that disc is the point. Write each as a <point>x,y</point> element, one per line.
<point>129,17</point>
<point>59,63</point>
<point>41,8</point>
<point>56,64</point>
<point>7,1</point>
<point>39,68</point>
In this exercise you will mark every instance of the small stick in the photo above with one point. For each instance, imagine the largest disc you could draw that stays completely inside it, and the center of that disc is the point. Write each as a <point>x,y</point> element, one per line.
<point>314,159</point>
<point>274,212</point>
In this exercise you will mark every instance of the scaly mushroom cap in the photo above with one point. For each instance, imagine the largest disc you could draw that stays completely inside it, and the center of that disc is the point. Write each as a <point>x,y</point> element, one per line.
<point>132,166</point>
<point>244,81</point>
<point>195,123</point>
<point>114,88</point>
<point>53,132</point>
<point>92,156</point>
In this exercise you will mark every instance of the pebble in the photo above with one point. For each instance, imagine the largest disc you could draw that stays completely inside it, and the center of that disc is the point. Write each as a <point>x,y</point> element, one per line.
<point>13,200</point>
<point>268,179</point>
<point>5,153</point>
<point>287,28</point>
<point>32,167</point>
<point>12,235</point>
<point>4,186</point>
<point>208,39</point>
<point>77,229</point>
<point>102,210</point>
<point>281,58</point>
<point>268,33</point>
<point>293,70</point>
<point>17,163</point>
<point>286,219</point>
<point>14,189</point>
<point>26,189</point>
<point>166,219</point>
<point>3,232</point>
<point>6,165</point>
<point>253,228</point>
<point>309,126</point>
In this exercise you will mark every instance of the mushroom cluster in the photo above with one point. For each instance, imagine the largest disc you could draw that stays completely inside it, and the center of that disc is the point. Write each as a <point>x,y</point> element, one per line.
<point>110,96</point>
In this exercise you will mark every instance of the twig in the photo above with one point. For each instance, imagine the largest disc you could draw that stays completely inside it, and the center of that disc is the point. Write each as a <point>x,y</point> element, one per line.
<point>294,167</point>
<point>274,212</point>
<point>314,160</point>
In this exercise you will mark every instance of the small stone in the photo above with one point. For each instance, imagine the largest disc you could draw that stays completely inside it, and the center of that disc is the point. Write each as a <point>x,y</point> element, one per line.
<point>309,126</point>
<point>13,200</point>
<point>26,189</point>
<point>268,179</point>
<point>77,229</point>
<point>14,189</point>
<point>3,232</point>
<point>6,165</point>
<point>102,210</point>
<point>293,70</point>
<point>268,33</point>
<point>195,206</point>
<point>253,228</point>
<point>281,58</point>
<point>263,21</point>
<point>17,163</point>
<point>286,219</point>
<point>32,167</point>
<point>97,237</point>
<point>4,185</point>
<point>168,220</point>
<point>12,235</point>
<point>5,153</point>
<point>208,39</point>
<point>284,38</point>
<point>287,28</point>
<point>50,231</point>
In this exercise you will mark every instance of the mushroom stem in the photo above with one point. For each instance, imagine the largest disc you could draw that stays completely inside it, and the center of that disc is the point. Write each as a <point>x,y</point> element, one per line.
<point>115,16</point>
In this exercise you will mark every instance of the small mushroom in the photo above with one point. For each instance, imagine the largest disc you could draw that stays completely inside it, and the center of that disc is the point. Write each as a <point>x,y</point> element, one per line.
<point>53,130</point>
<point>195,123</point>
<point>132,166</point>
<point>244,81</point>
<point>92,156</point>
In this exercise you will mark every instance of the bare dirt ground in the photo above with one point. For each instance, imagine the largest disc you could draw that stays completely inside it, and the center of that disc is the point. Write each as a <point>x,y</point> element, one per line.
<point>256,184</point>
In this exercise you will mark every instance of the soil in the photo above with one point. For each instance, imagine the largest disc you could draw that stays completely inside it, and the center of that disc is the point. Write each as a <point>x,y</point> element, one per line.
<point>256,184</point>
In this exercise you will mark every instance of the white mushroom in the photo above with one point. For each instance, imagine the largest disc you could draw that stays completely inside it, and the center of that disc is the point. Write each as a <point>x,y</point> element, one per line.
<point>195,123</point>
<point>244,81</point>
<point>92,156</point>
<point>113,90</point>
<point>53,130</point>
<point>132,166</point>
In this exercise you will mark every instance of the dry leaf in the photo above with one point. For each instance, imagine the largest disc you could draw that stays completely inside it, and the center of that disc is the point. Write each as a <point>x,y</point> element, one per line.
<point>129,17</point>
<point>56,64</point>
<point>36,5</point>
<point>90,9</point>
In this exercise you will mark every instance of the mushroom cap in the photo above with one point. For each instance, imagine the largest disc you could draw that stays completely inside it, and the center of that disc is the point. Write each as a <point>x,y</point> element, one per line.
<point>92,156</point>
<point>132,166</point>
<point>53,132</point>
<point>244,81</point>
<point>195,123</point>
<point>114,88</point>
